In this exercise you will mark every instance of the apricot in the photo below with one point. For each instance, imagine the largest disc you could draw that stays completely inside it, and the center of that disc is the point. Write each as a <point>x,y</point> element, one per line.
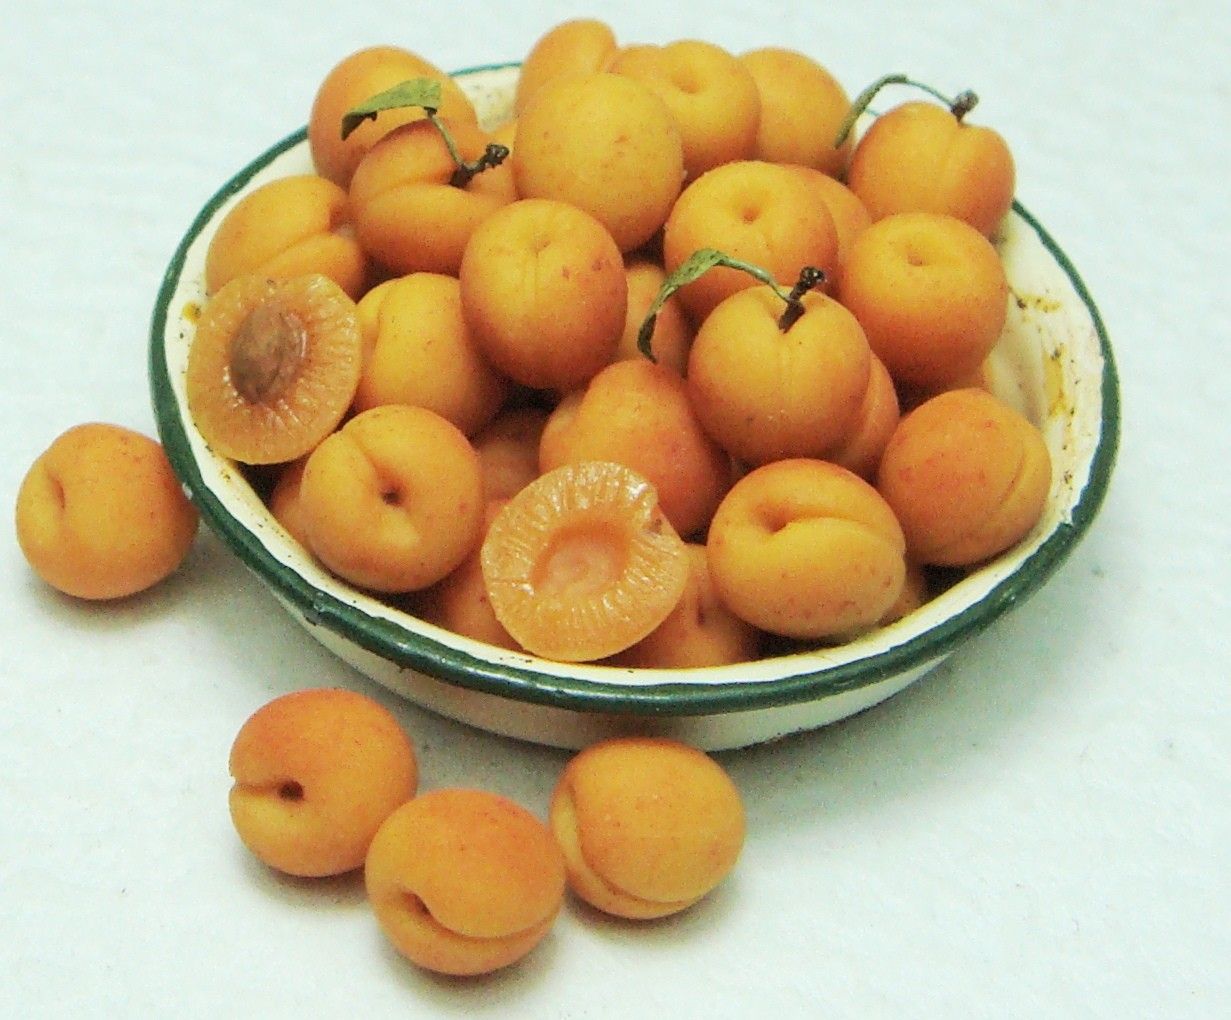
<point>463,881</point>
<point>765,393</point>
<point>422,353</point>
<point>576,46</point>
<point>508,451</point>
<point>101,515</point>
<point>582,563</point>
<point>459,602</point>
<point>700,631</point>
<point>914,594</point>
<point>919,157</point>
<point>754,211</point>
<point>648,826</point>
<point>806,549</point>
<point>850,217</point>
<point>409,214</point>
<point>543,293</point>
<point>672,334</point>
<point>966,475</point>
<point>638,414</point>
<point>861,447</point>
<point>802,108</point>
<point>930,293</point>
<point>284,502</point>
<point>273,366</point>
<point>393,501</point>
<point>712,96</point>
<point>605,144</point>
<point>357,78</point>
<point>289,227</point>
<point>316,773</point>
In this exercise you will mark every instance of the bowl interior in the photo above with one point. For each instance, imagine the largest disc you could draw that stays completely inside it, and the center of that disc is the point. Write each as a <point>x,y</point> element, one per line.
<point>1053,363</point>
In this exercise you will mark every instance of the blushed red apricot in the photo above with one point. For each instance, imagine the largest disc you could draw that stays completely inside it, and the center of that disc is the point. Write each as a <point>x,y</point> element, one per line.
<point>966,475</point>
<point>101,514</point>
<point>806,549</point>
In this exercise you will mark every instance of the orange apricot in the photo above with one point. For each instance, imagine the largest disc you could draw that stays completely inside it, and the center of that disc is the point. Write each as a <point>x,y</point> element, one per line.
<point>603,143</point>
<point>802,108</point>
<point>914,594</point>
<point>101,515</point>
<point>648,826</point>
<point>700,631</point>
<point>357,78</point>
<point>576,46</point>
<point>758,212</point>
<point>712,96</point>
<point>284,501</point>
<point>582,563</point>
<point>288,227</point>
<point>508,451</point>
<point>273,366</point>
<point>409,214</point>
<point>919,157</point>
<point>765,393</point>
<point>850,218</point>
<point>805,549</point>
<point>393,500</point>
<point>422,353</point>
<point>672,333</point>
<point>316,773</point>
<point>966,475</point>
<point>637,413</point>
<point>931,294</point>
<point>463,881</point>
<point>861,447</point>
<point>543,292</point>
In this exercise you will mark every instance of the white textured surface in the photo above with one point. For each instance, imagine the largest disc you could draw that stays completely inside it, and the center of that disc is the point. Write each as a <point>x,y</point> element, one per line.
<point>1038,829</point>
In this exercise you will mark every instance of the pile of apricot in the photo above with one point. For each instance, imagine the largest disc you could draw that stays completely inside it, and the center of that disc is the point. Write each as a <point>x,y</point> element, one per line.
<point>483,376</point>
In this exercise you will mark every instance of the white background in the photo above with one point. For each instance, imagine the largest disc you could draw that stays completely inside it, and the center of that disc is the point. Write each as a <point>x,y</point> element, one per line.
<point>1038,829</point>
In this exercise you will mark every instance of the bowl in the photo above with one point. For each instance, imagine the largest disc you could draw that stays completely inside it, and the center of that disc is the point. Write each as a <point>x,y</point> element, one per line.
<point>1053,362</point>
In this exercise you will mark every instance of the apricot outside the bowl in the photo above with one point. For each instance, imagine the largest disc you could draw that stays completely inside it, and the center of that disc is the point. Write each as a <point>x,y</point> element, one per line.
<point>648,826</point>
<point>316,773</point>
<point>463,881</point>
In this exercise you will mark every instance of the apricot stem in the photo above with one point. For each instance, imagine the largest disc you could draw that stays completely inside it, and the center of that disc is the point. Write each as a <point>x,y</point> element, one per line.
<point>809,279</point>
<point>959,105</point>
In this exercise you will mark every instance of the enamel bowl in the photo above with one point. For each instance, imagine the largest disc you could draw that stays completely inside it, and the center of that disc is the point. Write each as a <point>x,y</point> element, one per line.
<point>1053,363</point>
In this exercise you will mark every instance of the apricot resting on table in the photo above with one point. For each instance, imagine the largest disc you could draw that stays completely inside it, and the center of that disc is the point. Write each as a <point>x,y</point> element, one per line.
<point>421,352</point>
<point>356,79</point>
<point>101,515</point>
<point>464,882</point>
<point>603,143</point>
<point>273,366</point>
<point>712,96</point>
<point>544,294</point>
<point>637,414</point>
<point>931,294</point>
<point>393,501</point>
<point>966,475</point>
<point>582,563</point>
<point>576,46</point>
<point>316,773</point>
<point>758,212</point>
<point>648,826</point>
<point>803,548</point>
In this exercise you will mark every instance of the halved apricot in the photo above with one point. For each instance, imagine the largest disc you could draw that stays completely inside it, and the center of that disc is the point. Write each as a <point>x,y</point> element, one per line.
<point>582,563</point>
<point>273,367</point>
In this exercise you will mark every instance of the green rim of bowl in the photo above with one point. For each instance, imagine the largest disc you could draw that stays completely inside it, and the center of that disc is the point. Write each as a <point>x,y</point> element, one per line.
<point>421,653</point>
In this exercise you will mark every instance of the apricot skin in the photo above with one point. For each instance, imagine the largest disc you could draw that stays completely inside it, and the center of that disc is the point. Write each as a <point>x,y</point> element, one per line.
<point>603,143</point>
<point>289,227</point>
<point>648,826</point>
<point>967,476</point>
<point>316,773</point>
<point>672,335</point>
<point>393,501</point>
<point>576,46</point>
<point>803,548</point>
<point>464,882</point>
<point>101,515</point>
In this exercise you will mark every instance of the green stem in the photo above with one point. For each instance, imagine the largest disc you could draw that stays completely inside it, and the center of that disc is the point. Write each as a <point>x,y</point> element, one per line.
<point>959,105</point>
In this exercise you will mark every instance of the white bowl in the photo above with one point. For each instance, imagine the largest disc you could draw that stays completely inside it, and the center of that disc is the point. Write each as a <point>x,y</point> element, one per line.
<point>1053,362</point>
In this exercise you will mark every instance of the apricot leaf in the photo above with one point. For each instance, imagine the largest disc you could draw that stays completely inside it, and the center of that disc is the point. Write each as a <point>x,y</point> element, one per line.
<point>422,92</point>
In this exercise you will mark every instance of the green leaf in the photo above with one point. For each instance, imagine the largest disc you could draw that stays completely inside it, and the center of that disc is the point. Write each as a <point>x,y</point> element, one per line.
<point>422,92</point>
